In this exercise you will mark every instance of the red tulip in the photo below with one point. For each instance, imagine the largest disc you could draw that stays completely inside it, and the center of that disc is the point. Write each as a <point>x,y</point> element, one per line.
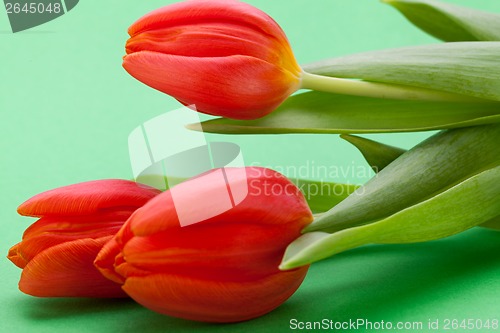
<point>225,57</point>
<point>221,269</point>
<point>57,251</point>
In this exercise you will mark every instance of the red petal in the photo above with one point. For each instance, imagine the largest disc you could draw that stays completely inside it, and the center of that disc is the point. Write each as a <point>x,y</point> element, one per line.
<point>50,231</point>
<point>208,40</point>
<point>15,257</point>
<point>241,251</point>
<point>236,87</point>
<point>105,261</point>
<point>208,11</point>
<point>241,244</point>
<point>66,270</point>
<point>84,225</point>
<point>268,191</point>
<point>89,198</point>
<point>213,301</point>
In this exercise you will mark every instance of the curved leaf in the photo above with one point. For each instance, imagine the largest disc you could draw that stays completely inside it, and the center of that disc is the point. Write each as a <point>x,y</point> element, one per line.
<point>319,112</point>
<point>428,168</point>
<point>379,155</point>
<point>469,203</point>
<point>448,22</point>
<point>465,68</point>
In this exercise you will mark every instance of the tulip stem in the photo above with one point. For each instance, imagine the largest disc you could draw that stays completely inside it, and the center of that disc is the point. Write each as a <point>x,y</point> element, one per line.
<point>378,90</point>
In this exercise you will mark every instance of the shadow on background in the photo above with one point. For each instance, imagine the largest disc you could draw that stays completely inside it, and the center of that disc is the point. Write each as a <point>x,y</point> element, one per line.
<point>68,308</point>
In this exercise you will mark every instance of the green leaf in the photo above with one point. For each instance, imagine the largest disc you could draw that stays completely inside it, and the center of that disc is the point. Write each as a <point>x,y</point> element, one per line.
<point>449,22</point>
<point>322,196</point>
<point>428,168</point>
<point>465,68</point>
<point>378,155</point>
<point>319,112</point>
<point>463,206</point>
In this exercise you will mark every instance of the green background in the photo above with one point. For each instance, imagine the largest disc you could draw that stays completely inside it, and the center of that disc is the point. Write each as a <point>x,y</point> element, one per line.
<point>67,108</point>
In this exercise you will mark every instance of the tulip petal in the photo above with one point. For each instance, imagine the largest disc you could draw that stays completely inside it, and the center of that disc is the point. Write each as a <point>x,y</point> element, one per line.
<point>208,11</point>
<point>267,190</point>
<point>89,198</point>
<point>15,257</point>
<point>51,231</point>
<point>105,261</point>
<point>66,270</point>
<point>238,87</point>
<point>77,225</point>
<point>208,40</point>
<point>236,251</point>
<point>213,301</point>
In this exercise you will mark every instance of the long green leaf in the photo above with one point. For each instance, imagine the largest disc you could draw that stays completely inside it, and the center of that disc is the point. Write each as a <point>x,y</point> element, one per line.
<point>379,155</point>
<point>429,168</point>
<point>449,22</point>
<point>469,203</point>
<point>465,68</point>
<point>318,112</point>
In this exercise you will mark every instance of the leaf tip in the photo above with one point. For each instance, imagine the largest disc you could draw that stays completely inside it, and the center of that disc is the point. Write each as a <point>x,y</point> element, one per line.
<point>194,127</point>
<point>287,265</point>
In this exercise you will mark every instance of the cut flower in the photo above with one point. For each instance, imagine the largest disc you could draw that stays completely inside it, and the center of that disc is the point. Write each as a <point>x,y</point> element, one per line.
<point>225,57</point>
<point>57,251</point>
<point>221,269</point>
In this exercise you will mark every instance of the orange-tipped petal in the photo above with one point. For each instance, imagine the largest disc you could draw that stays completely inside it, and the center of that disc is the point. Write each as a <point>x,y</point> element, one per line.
<point>87,198</point>
<point>213,301</point>
<point>225,57</point>
<point>67,270</point>
<point>239,87</point>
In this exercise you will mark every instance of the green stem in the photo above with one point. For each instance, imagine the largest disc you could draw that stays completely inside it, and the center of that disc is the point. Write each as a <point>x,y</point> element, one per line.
<point>377,90</point>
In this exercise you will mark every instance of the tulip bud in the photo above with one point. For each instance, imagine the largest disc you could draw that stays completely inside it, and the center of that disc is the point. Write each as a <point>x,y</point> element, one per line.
<point>57,251</point>
<point>225,57</point>
<point>223,268</point>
